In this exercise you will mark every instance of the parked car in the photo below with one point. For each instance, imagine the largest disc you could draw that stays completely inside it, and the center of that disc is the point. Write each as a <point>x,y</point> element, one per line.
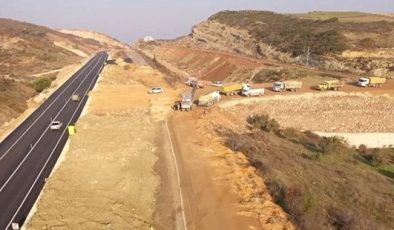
<point>56,125</point>
<point>156,90</point>
<point>217,83</point>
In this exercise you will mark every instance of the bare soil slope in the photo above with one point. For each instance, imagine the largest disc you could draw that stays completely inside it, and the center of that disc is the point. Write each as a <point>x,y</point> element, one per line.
<point>26,52</point>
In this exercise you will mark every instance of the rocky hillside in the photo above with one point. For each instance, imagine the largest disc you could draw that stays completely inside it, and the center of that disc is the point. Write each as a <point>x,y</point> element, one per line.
<point>27,50</point>
<point>354,43</point>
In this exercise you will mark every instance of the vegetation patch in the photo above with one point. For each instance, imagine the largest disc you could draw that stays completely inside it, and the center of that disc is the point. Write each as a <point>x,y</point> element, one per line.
<point>319,181</point>
<point>42,83</point>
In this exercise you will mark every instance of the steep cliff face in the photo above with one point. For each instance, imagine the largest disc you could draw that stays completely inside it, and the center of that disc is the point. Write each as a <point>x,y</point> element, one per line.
<point>364,47</point>
<point>215,35</point>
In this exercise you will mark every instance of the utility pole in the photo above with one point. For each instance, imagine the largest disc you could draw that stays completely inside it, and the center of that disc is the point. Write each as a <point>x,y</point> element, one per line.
<point>308,53</point>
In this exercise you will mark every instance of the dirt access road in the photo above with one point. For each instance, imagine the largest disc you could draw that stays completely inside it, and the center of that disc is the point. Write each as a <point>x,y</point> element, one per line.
<point>217,193</point>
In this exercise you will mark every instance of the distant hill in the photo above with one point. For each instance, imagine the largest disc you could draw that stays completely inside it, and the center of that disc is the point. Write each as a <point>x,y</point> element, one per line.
<point>27,49</point>
<point>100,37</point>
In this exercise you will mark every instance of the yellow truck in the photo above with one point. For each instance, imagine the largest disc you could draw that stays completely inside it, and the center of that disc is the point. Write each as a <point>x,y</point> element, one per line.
<point>330,85</point>
<point>233,89</point>
<point>371,81</point>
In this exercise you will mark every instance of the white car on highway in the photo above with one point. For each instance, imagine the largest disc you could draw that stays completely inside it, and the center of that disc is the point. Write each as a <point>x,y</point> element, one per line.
<point>156,90</point>
<point>56,125</point>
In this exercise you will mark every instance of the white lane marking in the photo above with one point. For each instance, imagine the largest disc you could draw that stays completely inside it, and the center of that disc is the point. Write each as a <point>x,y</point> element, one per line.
<point>42,135</point>
<point>50,156</point>
<point>178,177</point>
<point>20,137</point>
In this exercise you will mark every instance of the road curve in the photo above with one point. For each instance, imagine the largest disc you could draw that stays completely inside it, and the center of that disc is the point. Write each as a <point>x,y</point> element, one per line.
<point>29,153</point>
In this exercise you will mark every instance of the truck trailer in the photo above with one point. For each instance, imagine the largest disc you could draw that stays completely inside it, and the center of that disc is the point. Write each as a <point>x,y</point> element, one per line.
<point>248,92</point>
<point>233,89</point>
<point>281,86</point>
<point>209,99</point>
<point>330,85</point>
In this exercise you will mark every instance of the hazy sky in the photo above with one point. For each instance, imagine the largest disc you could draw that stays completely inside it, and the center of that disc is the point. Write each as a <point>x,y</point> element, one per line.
<point>129,20</point>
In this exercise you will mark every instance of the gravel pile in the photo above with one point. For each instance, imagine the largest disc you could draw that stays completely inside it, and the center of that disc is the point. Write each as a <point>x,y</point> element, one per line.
<point>330,112</point>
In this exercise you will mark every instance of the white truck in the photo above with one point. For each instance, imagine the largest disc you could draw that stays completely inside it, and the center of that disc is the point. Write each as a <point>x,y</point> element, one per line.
<point>187,101</point>
<point>209,99</point>
<point>247,91</point>
<point>371,81</point>
<point>281,86</point>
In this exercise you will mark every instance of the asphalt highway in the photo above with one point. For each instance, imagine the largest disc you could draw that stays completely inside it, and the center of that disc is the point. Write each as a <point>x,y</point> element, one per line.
<point>29,153</point>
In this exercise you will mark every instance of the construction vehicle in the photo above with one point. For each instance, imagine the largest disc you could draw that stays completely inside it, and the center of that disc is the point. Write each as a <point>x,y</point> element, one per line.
<point>187,101</point>
<point>233,89</point>
<point>330,85</point>
<point>192,81</point>
<point>281,86</point>
<point>247,91</point>
<point>371,81</point>
<point>209,99</point>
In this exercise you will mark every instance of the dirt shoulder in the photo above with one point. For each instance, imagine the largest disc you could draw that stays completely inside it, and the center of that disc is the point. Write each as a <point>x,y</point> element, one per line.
<point>107,178</point>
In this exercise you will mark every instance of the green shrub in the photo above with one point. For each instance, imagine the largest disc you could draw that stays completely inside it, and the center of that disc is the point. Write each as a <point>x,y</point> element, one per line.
<point>41,83</point>
<point>264,123</point>
<point>333,145</point>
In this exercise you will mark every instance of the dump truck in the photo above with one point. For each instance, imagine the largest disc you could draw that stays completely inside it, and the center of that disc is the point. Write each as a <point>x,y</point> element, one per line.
<point>330,85</point>
<point>209,99</point>
<point>281,86</point>
<point>233,89</point>
<point>247,91</point>
<point>187,101</point>
<point>371,81</point>
<point>185,104</point>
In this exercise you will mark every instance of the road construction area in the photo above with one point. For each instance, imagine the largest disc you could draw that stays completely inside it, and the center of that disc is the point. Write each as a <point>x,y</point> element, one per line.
<point>134,163</point>
<point>106,178</point>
